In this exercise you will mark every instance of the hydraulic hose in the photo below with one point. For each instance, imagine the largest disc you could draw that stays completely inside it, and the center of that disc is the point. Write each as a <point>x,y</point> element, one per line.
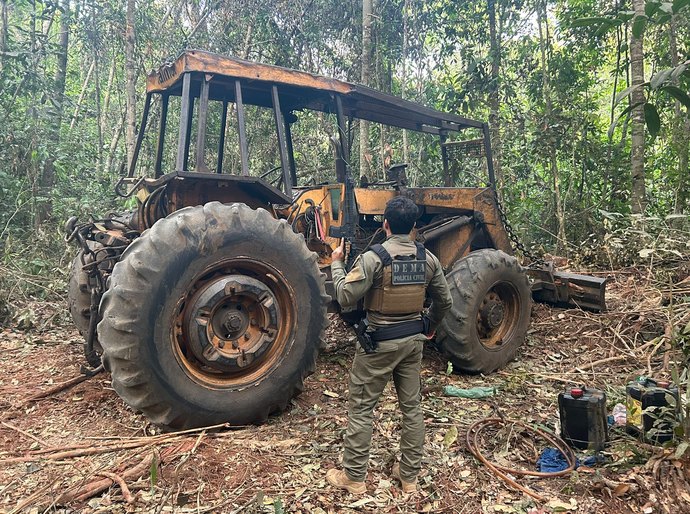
<point>501,471</point>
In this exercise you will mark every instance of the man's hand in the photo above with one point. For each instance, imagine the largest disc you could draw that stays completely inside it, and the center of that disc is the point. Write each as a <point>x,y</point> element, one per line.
<point>339,253</point>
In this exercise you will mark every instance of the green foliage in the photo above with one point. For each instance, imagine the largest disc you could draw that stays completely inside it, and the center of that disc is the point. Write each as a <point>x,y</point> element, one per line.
<point>635,240</point>
<point>61,155</point>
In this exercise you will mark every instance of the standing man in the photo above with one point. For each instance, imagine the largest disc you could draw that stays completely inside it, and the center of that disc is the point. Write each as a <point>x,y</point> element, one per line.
<point>393,278</point>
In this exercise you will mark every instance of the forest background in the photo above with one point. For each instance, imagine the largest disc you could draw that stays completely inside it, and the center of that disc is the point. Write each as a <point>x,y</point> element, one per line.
<point>587,102</point>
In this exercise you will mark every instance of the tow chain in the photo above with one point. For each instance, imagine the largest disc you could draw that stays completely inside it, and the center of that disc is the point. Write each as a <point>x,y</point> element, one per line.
<point>535,261</point>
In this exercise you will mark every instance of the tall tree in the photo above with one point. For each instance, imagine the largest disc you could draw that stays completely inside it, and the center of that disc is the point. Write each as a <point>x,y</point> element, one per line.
<point>681,130</point>
<point>403,78</point>
<point>364,152</point>
<point>47,180</point>
<point>545,47</point>
<point>637,99</point>
<point>494,92</point>
<point>130,71</point>
<point>3,31</point>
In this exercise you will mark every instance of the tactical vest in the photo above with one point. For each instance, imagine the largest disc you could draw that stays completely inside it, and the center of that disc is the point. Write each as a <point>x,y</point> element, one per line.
<point>402,286</point>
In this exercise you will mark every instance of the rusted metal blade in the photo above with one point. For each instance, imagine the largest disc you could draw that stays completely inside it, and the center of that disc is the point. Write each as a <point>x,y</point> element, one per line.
<point>568,289</point>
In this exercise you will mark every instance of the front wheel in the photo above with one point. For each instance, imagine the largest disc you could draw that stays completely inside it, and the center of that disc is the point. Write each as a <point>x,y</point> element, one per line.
<point>214,315</point>
<point>491,311</point>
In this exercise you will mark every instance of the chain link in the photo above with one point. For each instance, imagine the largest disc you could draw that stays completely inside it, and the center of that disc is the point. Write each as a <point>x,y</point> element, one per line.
<point>535,261</point>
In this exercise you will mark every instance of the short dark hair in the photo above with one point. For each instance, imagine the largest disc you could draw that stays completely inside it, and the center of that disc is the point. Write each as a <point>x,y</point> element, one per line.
<point>401,213</point>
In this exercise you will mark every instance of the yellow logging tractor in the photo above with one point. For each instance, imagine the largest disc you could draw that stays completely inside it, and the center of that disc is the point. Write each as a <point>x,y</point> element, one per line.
<point>208,301</point>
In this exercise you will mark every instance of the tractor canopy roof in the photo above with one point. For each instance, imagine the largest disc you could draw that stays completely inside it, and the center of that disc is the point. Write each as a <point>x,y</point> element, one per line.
<point>298,90</point>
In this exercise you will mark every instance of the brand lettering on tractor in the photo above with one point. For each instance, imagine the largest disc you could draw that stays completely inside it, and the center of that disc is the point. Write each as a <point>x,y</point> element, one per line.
<point>441,196</point>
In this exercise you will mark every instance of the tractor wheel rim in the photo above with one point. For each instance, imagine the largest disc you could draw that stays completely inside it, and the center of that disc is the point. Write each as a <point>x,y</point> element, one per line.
<point>497,315</point>
<point>234,325</point>
<point>232,321</point>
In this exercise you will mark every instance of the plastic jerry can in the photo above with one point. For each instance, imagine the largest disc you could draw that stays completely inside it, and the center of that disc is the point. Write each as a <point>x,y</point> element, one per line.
<point>583,418</point>
<point>652,409</point>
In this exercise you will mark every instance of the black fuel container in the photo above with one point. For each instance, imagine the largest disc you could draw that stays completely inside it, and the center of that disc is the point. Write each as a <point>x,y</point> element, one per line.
<point>652,409</point>
<point>583,418</point>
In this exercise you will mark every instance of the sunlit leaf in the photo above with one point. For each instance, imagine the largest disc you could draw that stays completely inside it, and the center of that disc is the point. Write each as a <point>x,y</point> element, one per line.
<point>659,78</point>
<point>679,70</point>
<point>627,91</point>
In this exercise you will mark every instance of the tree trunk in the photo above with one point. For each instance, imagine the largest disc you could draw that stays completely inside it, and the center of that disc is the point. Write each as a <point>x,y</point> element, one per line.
<point>681,132</point>
<point>82,95</point>
<point>130,71</point>
<point>112,150</point>
<point>637,148</point>
<point>108,91</point>
<point>403,78</point>
<point>248,39</point>
<point>61,71</point>
<point>494,93</point>
<point>58,99</point>
<point>548,111</point>
<point>199,22</point>
<point>3,31</point>
<point>364,153</point>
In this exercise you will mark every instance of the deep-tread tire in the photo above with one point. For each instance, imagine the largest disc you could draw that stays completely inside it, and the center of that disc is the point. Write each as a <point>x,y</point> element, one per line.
<point>143,297</point>
<point>470,280</point>
<point>79,301</point>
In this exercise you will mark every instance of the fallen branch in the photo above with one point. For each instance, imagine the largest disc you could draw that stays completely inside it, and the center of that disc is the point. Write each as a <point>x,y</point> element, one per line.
<point>611,359</point>
<point>23,432</point>
<point>82,493</point>
<point>651,354</point>
<point>30,500</point>
<point>64,385</point>
<point>84,450</point>
<point>126,493</point>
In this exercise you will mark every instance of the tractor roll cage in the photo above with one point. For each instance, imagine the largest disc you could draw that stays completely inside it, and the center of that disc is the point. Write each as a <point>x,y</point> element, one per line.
<point>199,76</point>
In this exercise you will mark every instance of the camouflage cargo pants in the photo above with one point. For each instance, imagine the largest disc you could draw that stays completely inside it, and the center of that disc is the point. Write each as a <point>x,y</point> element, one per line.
<point>401,359</point>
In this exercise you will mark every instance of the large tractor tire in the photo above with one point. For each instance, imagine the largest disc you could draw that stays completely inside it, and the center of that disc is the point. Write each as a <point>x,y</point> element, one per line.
<point>79,300</point>
<point>214,315</point>
<point>490,314</point>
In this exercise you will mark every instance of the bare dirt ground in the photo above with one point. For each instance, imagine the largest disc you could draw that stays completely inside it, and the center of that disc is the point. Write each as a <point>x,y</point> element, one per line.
<point>81,449</point>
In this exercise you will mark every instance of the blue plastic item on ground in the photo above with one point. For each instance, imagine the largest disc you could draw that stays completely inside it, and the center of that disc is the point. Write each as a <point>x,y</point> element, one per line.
<point>551,460</point>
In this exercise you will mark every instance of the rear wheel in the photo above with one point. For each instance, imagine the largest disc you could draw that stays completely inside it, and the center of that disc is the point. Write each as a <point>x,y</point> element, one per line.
<point>79,298</point>
<point>213,315</point>
<point>491,311</point>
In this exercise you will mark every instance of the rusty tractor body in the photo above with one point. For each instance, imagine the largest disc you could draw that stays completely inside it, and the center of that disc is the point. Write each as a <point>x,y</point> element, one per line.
<point>208,301</point>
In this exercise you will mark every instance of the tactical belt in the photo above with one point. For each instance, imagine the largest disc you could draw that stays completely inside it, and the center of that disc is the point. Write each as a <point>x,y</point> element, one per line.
<point>402,329</point>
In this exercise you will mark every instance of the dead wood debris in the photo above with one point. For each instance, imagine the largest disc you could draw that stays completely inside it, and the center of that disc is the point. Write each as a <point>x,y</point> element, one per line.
<point>82,492</point>
<point>86,442</point>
